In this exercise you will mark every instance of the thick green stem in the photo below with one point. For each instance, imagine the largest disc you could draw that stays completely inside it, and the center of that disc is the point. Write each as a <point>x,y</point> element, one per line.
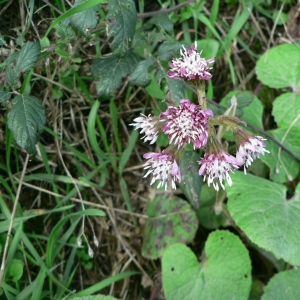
<point>201,94</point>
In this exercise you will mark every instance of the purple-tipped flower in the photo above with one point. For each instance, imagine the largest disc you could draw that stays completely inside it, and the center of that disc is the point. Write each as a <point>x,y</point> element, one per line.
<point>190,65</point>
<point>215,167</point>
<point>163,167</point>
<point>148,127</point>
<point>249,147</point>
<point>186,123</point>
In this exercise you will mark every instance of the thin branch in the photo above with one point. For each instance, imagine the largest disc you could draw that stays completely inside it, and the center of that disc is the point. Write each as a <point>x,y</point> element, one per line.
<point>165,10</point>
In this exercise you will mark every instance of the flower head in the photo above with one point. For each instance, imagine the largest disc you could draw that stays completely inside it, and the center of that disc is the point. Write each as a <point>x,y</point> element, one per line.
<point>190,65</point>
<point>249,147</point>
<point>216,165</point>
<point>163,167</point>
<point>186,123</point>
<point>149,126</point>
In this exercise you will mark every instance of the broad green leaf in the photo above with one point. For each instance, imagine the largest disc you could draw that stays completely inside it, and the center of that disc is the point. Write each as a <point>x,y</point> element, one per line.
<point>283,168</point>
<point>65,31</point>
<point>154,90</point>
<point>26,121</point>
<point>122,20</point>
<point>286,108</point>
<point>85,20</point>
<point>163,21</point>
<point>243,98</point>
<point>110,71</point>
<point>253,113</point>
<point>279,67</point>
<point>209,48</point>
<point>12,76</point>
<point>139,76</point>
<point>260,208</point>
<point>170,220</point>
<point>225,272</point>
<point>175,89</point>
<point>28,56</point>
<point>167,50</point>
<point>283,286</point>
<point>4,96</point>
<point>191,181</point>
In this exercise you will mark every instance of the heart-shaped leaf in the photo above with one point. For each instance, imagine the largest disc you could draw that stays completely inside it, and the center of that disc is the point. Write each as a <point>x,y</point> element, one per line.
<point>259,207</point>
<point>225,274</point>
<point>286,109</point>
<point>279,67</point>
<point>171,220</point>
<point>284,285</point>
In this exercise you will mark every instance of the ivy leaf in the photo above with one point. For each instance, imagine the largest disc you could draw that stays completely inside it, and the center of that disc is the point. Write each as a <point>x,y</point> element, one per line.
<point>279,67</point>
<point>284,285</point>
<point>4,96</point>
<point>83,21</point>
<point>140,74</point>
<point>171,220</point>
<point>122,20</point>
<point>191,181</point>
<point>260,208</point>
<point>28,57</point>
<point>110,71</point>
<point>26,121</point>
<point>224,274</point>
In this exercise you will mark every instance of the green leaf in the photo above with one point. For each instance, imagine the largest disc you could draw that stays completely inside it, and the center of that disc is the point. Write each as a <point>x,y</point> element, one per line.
<point>12,76</point>
<point>110,71</point>
<point>283,168</point>
<point>122,20</point>
<point>284,285</point>
<point>139,76</point>
<point>286,108</point>
<point>253,113</point>
<point>154,90</point>
<point>191,181</point>
<point>15,270</point>
<point>65,31</point>
<point>171,220</point>
<point>163,21</point>
<point>26,121</point>
<point>85,20</point>
<point>4,96</point>
<point>224,274</point>
<point>243,98</point>
<point>209,48</point>
<point>260,208</point>
<point>276,69</point>
<point>175,89</point>
<point>28,56</point>
<point>167,50</point>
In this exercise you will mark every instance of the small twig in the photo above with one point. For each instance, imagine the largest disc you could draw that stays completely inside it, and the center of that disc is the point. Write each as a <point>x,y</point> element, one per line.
<point>51,5</point>
<point>5,7</point>
<point>13,213</point>
<point>165,10</point>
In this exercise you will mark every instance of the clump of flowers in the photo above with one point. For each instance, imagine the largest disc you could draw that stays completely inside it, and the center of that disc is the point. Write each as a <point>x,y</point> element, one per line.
<point>189,123</point>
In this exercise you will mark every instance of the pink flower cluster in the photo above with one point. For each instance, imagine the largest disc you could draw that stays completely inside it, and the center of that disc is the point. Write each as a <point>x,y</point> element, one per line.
<point>188,123</point>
